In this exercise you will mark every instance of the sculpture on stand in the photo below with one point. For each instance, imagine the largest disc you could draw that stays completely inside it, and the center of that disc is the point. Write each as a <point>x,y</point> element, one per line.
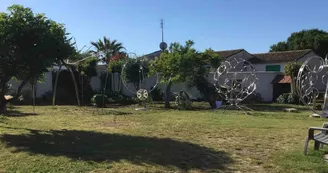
<point>135,72</point>
<point>312,77</point>
<point>235,80</point>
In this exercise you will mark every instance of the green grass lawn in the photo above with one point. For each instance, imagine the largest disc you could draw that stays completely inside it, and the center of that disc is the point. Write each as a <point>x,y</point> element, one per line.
<point>73,139</point>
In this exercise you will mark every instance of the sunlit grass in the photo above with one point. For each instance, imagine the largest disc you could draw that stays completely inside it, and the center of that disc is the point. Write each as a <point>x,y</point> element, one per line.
<point>73,139</point>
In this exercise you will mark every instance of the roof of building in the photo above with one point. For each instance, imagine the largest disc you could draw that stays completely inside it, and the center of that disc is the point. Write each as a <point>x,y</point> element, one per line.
<point>228,53</point>
<point>271,57</point>
<point>282,79</point>
<point>276,57</point>
<point>153,55</point>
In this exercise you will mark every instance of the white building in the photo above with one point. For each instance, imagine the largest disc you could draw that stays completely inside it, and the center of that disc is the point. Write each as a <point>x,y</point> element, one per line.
<point>269,70</point>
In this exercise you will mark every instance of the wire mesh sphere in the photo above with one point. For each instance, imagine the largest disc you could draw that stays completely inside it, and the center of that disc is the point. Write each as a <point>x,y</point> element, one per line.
<point>135,76</point>
<point>311,78</point>
<point>235,80</point>
<point>182,100</point>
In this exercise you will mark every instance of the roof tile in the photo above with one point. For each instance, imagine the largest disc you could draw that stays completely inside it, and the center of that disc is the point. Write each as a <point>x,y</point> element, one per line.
<point>228,53</point>
<point>276,57</point>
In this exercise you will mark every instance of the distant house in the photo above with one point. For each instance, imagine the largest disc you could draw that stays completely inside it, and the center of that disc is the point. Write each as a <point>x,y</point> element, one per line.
<point>237,53</point>
<point>269,69</point>
<point>153,55</point>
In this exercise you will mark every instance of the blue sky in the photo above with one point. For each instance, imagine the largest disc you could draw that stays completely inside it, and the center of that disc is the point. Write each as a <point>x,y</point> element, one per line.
<point>218,24</point>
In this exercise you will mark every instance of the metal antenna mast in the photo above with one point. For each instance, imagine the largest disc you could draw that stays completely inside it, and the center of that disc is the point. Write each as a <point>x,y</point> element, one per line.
<point>162,45</point>
<point>162,26</point>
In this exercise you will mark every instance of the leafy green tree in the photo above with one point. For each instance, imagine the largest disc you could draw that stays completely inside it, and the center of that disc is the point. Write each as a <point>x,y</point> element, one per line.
<point>88,66</point>
<point>133,73</point>
<point>314,39</point>
<point>87,69</point>
<point>107,48</point>
<point>116,66</point>
<point>173,66</point>
<point>281,46</point>
<point>30,44</point>
<point>182,63</point>
<point>200,66</point>
<point>291,69</point>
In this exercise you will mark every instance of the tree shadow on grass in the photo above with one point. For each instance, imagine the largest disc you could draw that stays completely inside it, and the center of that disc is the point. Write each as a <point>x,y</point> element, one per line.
<point>16,113</point>
<point>99,147</point>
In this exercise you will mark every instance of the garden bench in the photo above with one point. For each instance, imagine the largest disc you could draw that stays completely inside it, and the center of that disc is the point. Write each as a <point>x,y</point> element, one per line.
<point>320,138</point>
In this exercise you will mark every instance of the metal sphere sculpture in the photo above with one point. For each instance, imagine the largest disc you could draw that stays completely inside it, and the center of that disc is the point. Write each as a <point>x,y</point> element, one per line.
<point>135,73</point>
<point>182,100</point>
<point>311,78</point>
<point>235,80</point>
<point>142,94</point>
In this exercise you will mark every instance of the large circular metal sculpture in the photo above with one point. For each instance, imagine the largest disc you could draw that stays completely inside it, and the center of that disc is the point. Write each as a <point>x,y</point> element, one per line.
<point>312,78</point>
<point>235,80</point>
<point>145,86</point>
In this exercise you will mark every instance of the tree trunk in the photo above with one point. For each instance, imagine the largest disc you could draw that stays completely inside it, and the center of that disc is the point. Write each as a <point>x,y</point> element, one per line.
<point>55,87</point>
<point>168,94</point>
<point>33,95</point>
<point>19,89</point>
<point>105,89</point>
<point>208,92</point>
<point>292,86</point>
<point>75,86</point>
<point>2,98</point>
<point>210,97</point>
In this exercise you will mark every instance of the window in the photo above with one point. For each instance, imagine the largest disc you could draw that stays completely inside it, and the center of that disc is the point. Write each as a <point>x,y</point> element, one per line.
<point>272,68</point>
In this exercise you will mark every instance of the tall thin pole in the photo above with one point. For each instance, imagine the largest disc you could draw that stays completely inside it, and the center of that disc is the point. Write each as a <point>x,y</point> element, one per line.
<point>55,87</point>
<point>33,96</point>
<point>162,26</point>
<point>33,83</point>
<point>82,89</point>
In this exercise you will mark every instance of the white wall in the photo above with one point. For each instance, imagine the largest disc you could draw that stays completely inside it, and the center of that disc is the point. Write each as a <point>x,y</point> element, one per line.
<point>41,88</point>
<point>261,67</point>
<point>265,87</point>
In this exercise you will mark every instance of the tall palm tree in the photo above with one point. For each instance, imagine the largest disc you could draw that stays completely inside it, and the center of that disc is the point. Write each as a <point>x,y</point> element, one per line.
<point>107,48</point>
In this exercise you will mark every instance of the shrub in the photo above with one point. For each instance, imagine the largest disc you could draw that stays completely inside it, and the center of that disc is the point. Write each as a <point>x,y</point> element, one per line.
<point>282,99</point>
<point>119,97</point>
<point>116,66</point>
<point>182,100</point>
<point>288,98</point>
<point>98,99</point>
<point>293,99</point>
